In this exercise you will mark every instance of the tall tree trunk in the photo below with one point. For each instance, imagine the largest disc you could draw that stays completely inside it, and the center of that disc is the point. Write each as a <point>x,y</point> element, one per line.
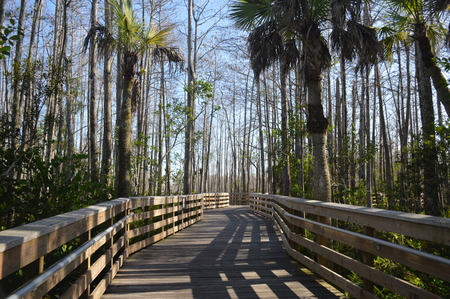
<point>429,62</point>
<point>430,160</point>
<point>285,143</point>
<point>317,127</point>
<point>17,98</point>
<point>299,138</point>
<point>362,130</point>
<point>353,145</point>
<point>384,137</point>
<point>29,131</point>
<point>190,124</point>
<point>107,143</point>
<point>125,126</point>
<point>93,149</point>
<point>2,11</point>
<point>270,151</point>
<point>405,118</point>
<point>343,148</point>
<point>369,142</point>
<point>59,66</point>
<point>261,135</point>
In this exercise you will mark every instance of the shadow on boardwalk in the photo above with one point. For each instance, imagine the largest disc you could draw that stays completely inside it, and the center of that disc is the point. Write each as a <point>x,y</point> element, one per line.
<point>232,253</point>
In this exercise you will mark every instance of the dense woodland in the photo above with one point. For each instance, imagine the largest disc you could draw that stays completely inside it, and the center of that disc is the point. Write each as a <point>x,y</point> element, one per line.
<point>340,100</point>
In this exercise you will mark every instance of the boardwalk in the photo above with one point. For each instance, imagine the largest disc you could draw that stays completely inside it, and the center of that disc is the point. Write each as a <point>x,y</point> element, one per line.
<point>232,253</point>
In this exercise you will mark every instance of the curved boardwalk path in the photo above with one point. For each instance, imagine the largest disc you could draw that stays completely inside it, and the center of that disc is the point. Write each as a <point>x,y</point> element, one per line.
<point>231,253</point>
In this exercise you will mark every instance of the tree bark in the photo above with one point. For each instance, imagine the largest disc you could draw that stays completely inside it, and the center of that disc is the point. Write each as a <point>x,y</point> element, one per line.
<point>384,137</point>
<point>190,125</point>
<point>285,144</point>
<point>93,148</point>
<point>125,126</point>
<point>107,143</point>
<point>430,159</point>
<point>261,135</point>
<point>17,98</point>
<point>434,71</point>
<point>317,126</point>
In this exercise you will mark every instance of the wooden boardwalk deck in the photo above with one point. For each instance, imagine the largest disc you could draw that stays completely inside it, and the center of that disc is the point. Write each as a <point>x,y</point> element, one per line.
<point>232,253</point>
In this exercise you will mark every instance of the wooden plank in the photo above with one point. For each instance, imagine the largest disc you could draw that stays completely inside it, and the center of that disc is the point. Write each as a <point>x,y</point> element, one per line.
<point>232,253</point>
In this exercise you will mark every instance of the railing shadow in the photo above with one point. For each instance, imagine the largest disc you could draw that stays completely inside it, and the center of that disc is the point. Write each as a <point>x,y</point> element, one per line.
<point>246,260</point>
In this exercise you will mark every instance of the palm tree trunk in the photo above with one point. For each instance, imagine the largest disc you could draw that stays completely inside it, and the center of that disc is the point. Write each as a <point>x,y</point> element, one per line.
<point>431,180</point>
<point>125,130</point>
<point>317,125</point>
<point>434,71</point>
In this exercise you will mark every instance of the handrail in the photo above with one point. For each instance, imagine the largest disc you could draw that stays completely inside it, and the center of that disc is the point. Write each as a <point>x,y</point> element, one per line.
<point>118,227</point>
<point>36,282</point>
<point>294,218</point>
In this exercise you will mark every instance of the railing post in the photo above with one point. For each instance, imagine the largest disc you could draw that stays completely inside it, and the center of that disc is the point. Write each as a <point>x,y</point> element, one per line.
<point>322,240</point>
<point>84,267</point>
<point>127,229</point>
<point>368,259</point>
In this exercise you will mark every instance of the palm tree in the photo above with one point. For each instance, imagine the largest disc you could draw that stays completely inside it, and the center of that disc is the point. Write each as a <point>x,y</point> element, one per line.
<point>131,38</point>
<point>419,17</point>
<point>307,22</point>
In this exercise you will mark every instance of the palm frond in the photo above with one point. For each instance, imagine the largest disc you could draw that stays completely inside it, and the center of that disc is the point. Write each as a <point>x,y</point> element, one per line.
<point>343,42</point>
<point>265,45</point>
<point>249,14</point>
<point>437,6</point>
<point>291,54</point>
<point>170,54</point>
<point>370,50</point>
<point>157,37</point>
<point>435,32</point>
<point>390,37</point>
<point>102,36</point>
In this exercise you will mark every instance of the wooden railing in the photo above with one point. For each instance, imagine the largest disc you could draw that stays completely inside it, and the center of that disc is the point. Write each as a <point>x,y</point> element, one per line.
<point>240,199</point>
<point>361,230</point>
<point>216,200</point>
<point>77,254</point>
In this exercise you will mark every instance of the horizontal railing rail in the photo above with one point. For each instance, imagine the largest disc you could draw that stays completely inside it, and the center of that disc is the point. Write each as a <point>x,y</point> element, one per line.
<point>240,199</point>
<point>216,200</point>
<point>303,223</point>
<point>77,254</point>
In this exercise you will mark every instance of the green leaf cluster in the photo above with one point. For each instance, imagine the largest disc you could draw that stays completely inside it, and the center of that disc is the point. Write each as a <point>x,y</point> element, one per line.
<point>7,38</point>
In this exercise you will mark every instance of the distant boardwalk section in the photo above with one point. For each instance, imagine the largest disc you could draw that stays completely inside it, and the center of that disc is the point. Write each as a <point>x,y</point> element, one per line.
<point>231,253</point>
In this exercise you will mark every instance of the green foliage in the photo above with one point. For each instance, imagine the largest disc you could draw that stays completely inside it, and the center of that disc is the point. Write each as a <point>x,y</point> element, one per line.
<point>7,38</point>
<point>353,196</point>
<point>444,62</point>
<point>409,187</point>
<point>34,190</point>
<point>201,88</point>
